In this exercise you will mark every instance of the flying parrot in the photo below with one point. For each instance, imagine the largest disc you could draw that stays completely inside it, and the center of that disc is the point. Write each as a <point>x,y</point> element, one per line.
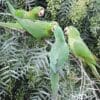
<point>33,14</point>
<point>58,55</point>
<point>80,49</point>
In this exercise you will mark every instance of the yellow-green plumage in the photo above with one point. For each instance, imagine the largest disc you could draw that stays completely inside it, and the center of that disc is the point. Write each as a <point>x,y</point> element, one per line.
<point>33,14</point>
<point>80,49</point>
<point>38,29</point>
<point>13,26</point>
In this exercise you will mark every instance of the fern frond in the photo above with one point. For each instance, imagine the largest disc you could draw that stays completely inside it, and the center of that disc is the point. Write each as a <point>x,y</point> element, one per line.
<point>63,13</point>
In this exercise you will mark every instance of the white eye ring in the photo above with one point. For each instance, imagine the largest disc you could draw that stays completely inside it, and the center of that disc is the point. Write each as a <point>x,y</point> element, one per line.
<point>41,13</point>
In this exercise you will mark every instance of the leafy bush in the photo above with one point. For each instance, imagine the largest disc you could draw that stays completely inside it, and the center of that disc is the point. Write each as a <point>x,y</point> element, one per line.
<point>24,65</point>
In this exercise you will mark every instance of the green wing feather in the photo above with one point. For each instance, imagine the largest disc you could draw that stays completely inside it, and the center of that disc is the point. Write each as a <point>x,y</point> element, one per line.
<point>38,29</point>
<point>14,26</point>
<point>20,13</point>
<point>83,51</point>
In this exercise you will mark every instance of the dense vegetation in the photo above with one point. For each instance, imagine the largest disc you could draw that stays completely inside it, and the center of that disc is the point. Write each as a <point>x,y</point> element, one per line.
<point>24,65</point>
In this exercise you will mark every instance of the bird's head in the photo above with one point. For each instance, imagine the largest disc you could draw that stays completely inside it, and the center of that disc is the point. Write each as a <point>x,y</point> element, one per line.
<point>71,31</point>
<point>38,11</point>
<point>58,32</point>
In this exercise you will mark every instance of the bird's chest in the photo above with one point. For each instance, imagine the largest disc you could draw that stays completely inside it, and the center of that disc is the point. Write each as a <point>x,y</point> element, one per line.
<point>71,43</point>
<point>72,46</point>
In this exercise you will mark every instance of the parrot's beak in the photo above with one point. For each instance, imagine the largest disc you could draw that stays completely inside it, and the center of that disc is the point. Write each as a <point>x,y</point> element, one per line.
<point>66,31</point>
<point>54,26</point>
<point>42,11</point>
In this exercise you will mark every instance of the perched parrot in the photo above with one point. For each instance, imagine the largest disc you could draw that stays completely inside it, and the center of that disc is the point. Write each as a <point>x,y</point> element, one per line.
<point>80,49</point>
<point>58,55</point>
<point>38,29</point>
<point>33,14</point>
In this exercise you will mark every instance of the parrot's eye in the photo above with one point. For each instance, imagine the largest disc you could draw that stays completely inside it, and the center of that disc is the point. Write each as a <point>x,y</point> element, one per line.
<point>41,13</point>
<point>66,30</point>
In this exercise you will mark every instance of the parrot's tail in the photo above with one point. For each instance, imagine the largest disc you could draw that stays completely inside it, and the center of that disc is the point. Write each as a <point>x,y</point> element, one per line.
<point>54,78</point>
<point>94,71</point>
<point>14,26</point>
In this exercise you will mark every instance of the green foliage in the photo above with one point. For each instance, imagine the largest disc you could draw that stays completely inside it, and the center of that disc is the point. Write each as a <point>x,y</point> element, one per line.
<point>19,59</point>
<point>95,29</point>
<point>18,3</point>
<point>95,25</point>
<point>53,7</point>
<point>72,12</point>
<point>24,63</point>
<point>98,47</point>
<point>62,16</point>
<point>78,10</point>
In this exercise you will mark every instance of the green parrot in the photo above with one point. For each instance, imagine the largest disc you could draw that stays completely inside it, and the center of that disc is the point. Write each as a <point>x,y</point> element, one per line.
<point>33,14</point>
<point>38,29</point>
<point>80,49</point>
<point>58,55</point>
